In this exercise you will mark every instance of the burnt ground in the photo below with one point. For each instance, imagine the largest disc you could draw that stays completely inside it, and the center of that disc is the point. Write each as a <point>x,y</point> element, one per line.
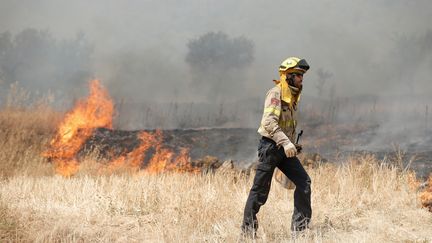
<point>239,144</point>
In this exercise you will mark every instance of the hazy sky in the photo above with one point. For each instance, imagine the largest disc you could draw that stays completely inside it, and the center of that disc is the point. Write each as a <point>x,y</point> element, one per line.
<point>354,40</point>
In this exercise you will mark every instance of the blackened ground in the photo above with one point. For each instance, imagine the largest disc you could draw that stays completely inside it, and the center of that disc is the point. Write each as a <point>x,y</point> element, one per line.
<point>239,144</point>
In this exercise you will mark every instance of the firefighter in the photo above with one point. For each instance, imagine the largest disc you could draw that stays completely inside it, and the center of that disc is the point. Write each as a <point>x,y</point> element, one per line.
<point>276,149</point>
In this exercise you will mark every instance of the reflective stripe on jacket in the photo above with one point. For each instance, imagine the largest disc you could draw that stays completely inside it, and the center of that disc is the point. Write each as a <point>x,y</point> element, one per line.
<point>278,121</point>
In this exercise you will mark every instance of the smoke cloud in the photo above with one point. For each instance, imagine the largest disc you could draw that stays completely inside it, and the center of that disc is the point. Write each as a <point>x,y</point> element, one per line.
<point>158,57</point>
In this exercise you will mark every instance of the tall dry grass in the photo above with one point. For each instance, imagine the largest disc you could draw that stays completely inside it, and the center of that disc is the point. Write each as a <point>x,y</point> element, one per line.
<point>24,133</point>
<point>27,124</point>
<point>360,200</point>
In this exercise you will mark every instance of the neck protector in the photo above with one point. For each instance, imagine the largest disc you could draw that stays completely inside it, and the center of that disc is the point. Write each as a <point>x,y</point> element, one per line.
<point>289,94</point>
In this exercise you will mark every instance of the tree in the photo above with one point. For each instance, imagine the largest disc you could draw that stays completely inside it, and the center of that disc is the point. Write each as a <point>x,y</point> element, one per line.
<point>37,60</point>
<point>323,76</point>
<point>214,58</point>
<point>410,55</point>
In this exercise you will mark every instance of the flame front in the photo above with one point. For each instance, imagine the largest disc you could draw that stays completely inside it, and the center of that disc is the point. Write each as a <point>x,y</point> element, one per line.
<point>163,159</point>
<point>96,111</point>
<point>90,113</point>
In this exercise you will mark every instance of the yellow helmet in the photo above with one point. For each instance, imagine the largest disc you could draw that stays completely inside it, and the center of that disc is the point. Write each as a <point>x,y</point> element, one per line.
<point>294,64</point>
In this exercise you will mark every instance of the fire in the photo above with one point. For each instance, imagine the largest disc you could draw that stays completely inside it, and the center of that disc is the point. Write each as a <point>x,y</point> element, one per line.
<point>162,160</point>
<point>90,113</point>
<point>96,111</point>
<point>425,188</point>
<point>426,195</point>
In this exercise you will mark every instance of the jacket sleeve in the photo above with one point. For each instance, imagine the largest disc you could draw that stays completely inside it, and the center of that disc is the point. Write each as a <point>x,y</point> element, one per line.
<point>270,118</point>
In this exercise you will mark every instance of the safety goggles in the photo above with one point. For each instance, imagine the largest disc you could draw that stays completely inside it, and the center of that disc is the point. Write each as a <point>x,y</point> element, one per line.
<point>297,74</point>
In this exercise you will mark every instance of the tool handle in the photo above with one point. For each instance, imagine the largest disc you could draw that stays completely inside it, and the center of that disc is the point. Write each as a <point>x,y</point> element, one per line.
<point>298,136</point>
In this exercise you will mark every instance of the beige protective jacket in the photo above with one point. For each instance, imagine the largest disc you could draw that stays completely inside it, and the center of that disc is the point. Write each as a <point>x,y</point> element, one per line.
<point>279,118</point>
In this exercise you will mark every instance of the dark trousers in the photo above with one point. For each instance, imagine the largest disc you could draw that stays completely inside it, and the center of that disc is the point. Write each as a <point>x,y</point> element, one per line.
<point>270,157</point>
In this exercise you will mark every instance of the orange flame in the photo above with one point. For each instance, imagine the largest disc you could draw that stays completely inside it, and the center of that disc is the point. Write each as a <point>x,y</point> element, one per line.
<point>77,126</point>
<point>162,160</point>
<point>96,111</point>
<point>426,195</point>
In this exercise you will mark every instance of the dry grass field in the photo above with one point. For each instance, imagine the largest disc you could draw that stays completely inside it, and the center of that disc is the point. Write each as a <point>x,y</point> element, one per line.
<point>360,200</point>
